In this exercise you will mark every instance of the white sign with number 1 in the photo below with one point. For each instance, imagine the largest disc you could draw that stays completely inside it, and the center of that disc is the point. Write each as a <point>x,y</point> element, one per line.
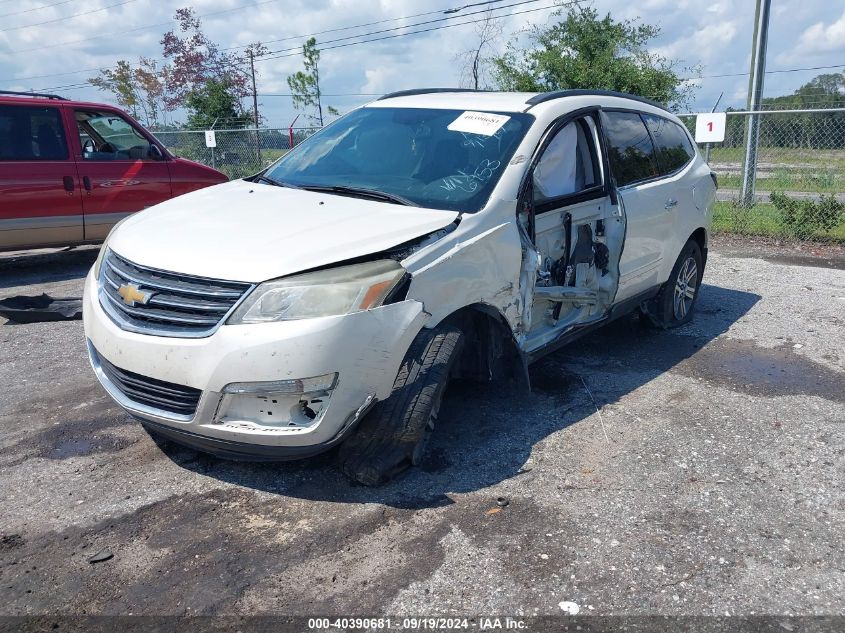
<point>210,140</point>
<point>710,127</point>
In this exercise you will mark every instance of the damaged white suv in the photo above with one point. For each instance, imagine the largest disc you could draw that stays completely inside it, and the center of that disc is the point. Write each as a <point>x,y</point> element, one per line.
<point>427,235</point>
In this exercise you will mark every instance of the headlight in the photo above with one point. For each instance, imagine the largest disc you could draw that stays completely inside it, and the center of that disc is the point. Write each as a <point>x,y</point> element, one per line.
<point>103,248</point>
<point>323,293</point>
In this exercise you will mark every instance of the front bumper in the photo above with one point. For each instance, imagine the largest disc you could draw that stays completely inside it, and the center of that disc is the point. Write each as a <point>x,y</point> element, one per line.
<point>365,349</point>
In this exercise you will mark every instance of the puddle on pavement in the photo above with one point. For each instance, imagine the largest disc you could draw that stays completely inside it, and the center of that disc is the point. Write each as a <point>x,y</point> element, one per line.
<point>836,262</point>
<point>74,438</point>
<point>80,447</point>
<point>744,366</point>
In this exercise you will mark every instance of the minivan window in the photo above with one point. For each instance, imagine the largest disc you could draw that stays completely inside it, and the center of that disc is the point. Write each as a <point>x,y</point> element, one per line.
<point>674,149</point>
<point>31,133</point>
<point>630,149</point>
<point>409,153</point>
<point>108,136</point>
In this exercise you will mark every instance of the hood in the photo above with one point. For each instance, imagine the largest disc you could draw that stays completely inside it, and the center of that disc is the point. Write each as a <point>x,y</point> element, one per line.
<point>244,231</point>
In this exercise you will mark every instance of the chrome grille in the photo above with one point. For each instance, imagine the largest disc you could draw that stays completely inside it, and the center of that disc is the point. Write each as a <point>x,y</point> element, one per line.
<point>150,392</point>
<point>176,305</point>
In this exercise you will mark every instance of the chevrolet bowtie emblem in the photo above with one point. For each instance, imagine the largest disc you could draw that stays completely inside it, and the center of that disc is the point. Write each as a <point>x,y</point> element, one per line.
<point>132,295</point>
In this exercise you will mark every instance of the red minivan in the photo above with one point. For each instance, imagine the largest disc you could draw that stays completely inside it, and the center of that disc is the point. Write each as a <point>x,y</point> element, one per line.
<point>70,170</point>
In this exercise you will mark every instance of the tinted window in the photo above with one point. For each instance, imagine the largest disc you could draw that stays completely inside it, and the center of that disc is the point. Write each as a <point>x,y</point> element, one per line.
<point>674,149</point>
<point>31,133</point>
<point>419,154</point>
<point>630,149</point>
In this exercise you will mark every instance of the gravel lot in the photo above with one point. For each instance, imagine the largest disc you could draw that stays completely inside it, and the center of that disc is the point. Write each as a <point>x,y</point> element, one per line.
<point>712,481</point>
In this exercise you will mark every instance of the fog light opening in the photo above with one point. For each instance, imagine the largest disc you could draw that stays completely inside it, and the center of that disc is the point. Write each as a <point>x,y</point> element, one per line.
<point>276,405</point>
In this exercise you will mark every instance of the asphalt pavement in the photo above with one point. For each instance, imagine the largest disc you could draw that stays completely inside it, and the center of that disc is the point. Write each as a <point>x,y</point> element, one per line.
<point>698,472</point>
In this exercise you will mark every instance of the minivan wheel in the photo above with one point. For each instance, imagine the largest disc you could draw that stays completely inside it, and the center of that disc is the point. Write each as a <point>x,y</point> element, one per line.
<point>674,304</point>
<point>394,435</point>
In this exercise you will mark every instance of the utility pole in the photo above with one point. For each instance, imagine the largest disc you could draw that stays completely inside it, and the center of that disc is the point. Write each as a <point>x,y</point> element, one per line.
<point>317,85</point>
<point>255,109</point>
<point>755,95</point>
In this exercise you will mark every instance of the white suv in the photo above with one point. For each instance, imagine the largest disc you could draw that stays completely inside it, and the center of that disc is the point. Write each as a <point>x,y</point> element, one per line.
<point>427,235</point>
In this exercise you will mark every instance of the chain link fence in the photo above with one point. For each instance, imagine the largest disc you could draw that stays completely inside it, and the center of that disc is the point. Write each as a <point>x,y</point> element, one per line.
<point>800,172</point>
<point>238,153</point>
<point>800,175</point>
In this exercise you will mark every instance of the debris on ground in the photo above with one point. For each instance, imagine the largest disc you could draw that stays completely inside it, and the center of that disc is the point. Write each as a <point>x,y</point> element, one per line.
<point>41,308</point>
<point>102,556</point>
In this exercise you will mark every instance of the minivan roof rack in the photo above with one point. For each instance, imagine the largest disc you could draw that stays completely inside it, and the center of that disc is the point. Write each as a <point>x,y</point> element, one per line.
<point>425,91</point>
<point>578,92</point>
<point>32,94</point>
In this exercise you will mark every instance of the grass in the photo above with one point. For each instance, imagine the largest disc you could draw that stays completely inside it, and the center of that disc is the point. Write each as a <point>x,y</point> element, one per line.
<point>789,180</point>
<point>831,159</point>
<point>783,168</point>
<point>764,220</point>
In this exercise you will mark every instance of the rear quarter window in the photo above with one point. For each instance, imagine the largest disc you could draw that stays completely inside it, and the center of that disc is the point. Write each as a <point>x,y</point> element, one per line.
<point>674,149</point>
<point>31,133</point>
<point>631,152</point>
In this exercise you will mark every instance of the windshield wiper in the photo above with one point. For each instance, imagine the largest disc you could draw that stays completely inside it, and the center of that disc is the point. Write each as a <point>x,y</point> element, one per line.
<point>362,192</point>
<point>275,183</point>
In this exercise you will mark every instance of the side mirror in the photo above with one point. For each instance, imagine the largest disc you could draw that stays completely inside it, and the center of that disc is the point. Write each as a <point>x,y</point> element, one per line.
<point>156,153</point>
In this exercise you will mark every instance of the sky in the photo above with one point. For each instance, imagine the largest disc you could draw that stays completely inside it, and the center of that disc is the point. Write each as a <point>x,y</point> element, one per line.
<point>55,45</point>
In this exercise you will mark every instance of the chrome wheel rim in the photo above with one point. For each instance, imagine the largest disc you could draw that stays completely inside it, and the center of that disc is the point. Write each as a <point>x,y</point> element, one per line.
<point>685,287</point>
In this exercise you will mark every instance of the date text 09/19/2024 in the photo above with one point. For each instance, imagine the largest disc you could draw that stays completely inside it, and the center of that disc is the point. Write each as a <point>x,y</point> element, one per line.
<point>416,624</point>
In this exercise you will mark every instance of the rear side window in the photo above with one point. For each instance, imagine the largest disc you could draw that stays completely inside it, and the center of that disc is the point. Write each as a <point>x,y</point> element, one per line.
<point>31,133</point>
<point>674,149</point>
<point>631,152</point>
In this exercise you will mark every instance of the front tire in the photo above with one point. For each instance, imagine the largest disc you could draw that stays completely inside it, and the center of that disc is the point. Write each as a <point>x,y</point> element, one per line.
<point>394,435</point>
<point>674,304</point>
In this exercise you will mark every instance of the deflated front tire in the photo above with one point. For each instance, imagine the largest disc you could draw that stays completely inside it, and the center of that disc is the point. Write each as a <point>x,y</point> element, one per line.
<point>394,434</point>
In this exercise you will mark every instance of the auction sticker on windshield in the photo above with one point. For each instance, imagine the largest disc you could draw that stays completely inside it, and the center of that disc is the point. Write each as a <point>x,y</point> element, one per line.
<point>478,123</point>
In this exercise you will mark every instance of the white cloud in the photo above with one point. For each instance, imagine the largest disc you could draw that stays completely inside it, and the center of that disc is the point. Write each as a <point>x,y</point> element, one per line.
<point>716,34</point>
<point>824,38</point>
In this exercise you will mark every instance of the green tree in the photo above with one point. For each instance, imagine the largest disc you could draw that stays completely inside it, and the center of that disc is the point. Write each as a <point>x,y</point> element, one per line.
<point>819,130</point>
<point>582,50</point>
<point>214,102</point>
<point>120,81</point>
<point>305,84</point>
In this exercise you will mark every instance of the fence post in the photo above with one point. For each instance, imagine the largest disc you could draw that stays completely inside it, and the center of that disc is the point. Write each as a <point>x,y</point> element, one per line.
<point>755,94</point>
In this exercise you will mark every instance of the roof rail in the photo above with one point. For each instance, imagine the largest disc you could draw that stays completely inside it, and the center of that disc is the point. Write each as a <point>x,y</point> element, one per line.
<point>424,91</point>
<point>32,94</point>
<point>577,92</point>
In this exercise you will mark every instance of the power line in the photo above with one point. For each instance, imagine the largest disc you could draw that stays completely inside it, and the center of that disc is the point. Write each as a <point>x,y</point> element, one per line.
<point>304,36</point>
<point>407,26</point>
<point>67,17</point>
<point>770,72</point>
<point>136,29</point>
<point>43,6</point>
<point>428,30</point>
<point>360,26</point>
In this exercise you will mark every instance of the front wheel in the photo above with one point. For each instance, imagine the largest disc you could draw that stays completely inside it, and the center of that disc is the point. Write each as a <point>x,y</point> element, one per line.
<point>674,304</point>
<point>394,434</point>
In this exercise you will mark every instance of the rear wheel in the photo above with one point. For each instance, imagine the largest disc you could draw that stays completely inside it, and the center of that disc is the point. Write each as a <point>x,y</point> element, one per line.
<point>674,304</point>
<point>395,433</point>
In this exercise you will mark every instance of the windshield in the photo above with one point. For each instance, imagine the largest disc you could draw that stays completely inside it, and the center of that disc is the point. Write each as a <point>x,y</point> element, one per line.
<point>441,159</point>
